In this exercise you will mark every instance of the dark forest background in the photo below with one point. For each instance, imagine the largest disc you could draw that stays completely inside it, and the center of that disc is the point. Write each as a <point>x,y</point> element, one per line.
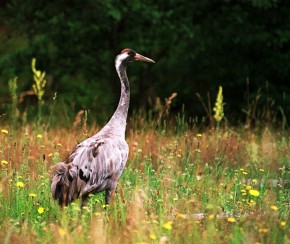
<point>241,45</point>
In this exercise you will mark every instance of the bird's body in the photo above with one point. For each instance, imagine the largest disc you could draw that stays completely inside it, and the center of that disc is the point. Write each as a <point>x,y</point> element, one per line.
<point>97,163</point>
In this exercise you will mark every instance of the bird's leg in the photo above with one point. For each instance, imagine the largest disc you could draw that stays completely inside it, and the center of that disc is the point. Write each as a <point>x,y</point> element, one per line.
<point>110,192</point>
<point>109,196</point>
<point>84,200</point>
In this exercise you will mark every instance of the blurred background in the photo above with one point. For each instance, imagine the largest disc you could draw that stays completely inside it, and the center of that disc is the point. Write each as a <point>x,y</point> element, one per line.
<point>241,45</point>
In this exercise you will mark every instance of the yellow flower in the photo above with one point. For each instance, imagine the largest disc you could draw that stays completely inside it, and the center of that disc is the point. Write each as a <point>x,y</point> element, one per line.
<point>180,215</point>
<point>249,187</point>
<point>61,232</point>
<point>152,236</point>
<point>263,230</point>
<point>40,210</point>
<point>273,207</point>
<point>4,162</point>
<point>261,170</point>
<point>231,219</point>
<point>254,193</point>
<point>283,223</point>
<point>252,203</point>
<point>50,155</point>
<point>244,173</point>
<point>20,184</point>
<point>199,135</point>
<point>32,195</point>
<point>167,225</point>
<point>4,131</point>
<point>39,136</point>
<point>211,216</point>
<point>219,106</point>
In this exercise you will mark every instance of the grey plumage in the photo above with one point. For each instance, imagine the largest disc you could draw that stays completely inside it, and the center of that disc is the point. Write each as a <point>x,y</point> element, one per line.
<point>97,163</point>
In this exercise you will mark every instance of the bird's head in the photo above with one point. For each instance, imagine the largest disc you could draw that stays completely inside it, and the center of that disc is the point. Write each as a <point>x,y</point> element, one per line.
<point>129,55</point>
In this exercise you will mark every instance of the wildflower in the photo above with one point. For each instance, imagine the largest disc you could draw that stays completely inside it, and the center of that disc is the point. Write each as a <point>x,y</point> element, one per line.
<point>40,210</point>
<point>263,230</point>
<point>199,135</point>
<point>273,207</point>
<point>261,170</point>
<point>20,184</point>
<point>244,173</point>
<point>209,206</point>
<point>61,232</point>
<point>32,195</point>
<point>252,203</point>
<point>283,223</point>
<point>4,162</point>
<point>231,197</point>
<point>167,225</point>
<point>211,216</point>
<point>4,131</point>
<point>254,193</point>
<point>219,106</point>
<point>50,155</point>
<point>231,219</point>
<point>152,237</point>
<point>39,136</point>
<point>249,187</point>
<point>180,215</point>
<point>242,169</point>
<point>39,80</point>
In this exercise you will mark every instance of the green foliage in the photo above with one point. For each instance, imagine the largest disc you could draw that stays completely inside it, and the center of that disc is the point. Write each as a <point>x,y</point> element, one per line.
<point>194,44</point>
<point>178,186</point>
<point>12,84</point>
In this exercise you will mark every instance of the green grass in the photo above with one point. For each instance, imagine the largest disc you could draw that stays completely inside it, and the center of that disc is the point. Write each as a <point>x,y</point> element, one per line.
<point>180,187</point>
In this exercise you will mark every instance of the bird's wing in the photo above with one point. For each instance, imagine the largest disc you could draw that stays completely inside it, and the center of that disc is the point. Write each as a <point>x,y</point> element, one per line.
<point>97,161</point>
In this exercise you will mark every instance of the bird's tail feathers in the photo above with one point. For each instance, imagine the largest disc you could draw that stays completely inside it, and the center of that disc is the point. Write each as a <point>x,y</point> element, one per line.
<point>62,187</point>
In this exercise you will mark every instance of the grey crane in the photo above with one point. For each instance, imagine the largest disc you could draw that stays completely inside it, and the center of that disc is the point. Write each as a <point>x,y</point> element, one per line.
<point>97,163</point>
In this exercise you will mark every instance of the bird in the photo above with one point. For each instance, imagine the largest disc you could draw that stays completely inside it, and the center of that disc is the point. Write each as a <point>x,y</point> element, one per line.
<point>96,164</point>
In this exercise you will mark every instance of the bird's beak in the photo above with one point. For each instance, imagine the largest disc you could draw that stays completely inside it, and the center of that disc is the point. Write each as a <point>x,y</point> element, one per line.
<point>139,57</point>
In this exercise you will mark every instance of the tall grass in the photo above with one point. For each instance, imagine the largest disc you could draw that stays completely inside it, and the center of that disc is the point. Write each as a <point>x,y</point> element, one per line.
<point>178,186</point>
<point>182,184</point>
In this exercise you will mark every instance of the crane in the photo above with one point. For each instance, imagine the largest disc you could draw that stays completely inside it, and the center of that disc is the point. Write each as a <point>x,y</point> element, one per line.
<point>97,163</point>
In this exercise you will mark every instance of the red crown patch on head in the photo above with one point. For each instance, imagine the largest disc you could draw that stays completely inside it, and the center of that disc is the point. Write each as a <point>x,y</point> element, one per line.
<point>125,50</point>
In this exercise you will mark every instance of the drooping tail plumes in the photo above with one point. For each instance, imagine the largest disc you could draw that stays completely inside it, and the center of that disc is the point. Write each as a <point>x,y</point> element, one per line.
<point>62,186</point>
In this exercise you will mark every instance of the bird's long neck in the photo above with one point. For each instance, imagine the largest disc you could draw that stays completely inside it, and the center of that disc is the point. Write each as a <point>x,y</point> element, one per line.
<point>117,124</point>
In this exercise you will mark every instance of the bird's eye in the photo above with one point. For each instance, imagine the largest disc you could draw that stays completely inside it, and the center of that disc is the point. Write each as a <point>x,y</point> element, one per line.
<point>131,53</point>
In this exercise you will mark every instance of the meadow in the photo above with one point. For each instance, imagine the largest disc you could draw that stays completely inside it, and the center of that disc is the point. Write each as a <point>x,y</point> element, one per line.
<point>182,184</point>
